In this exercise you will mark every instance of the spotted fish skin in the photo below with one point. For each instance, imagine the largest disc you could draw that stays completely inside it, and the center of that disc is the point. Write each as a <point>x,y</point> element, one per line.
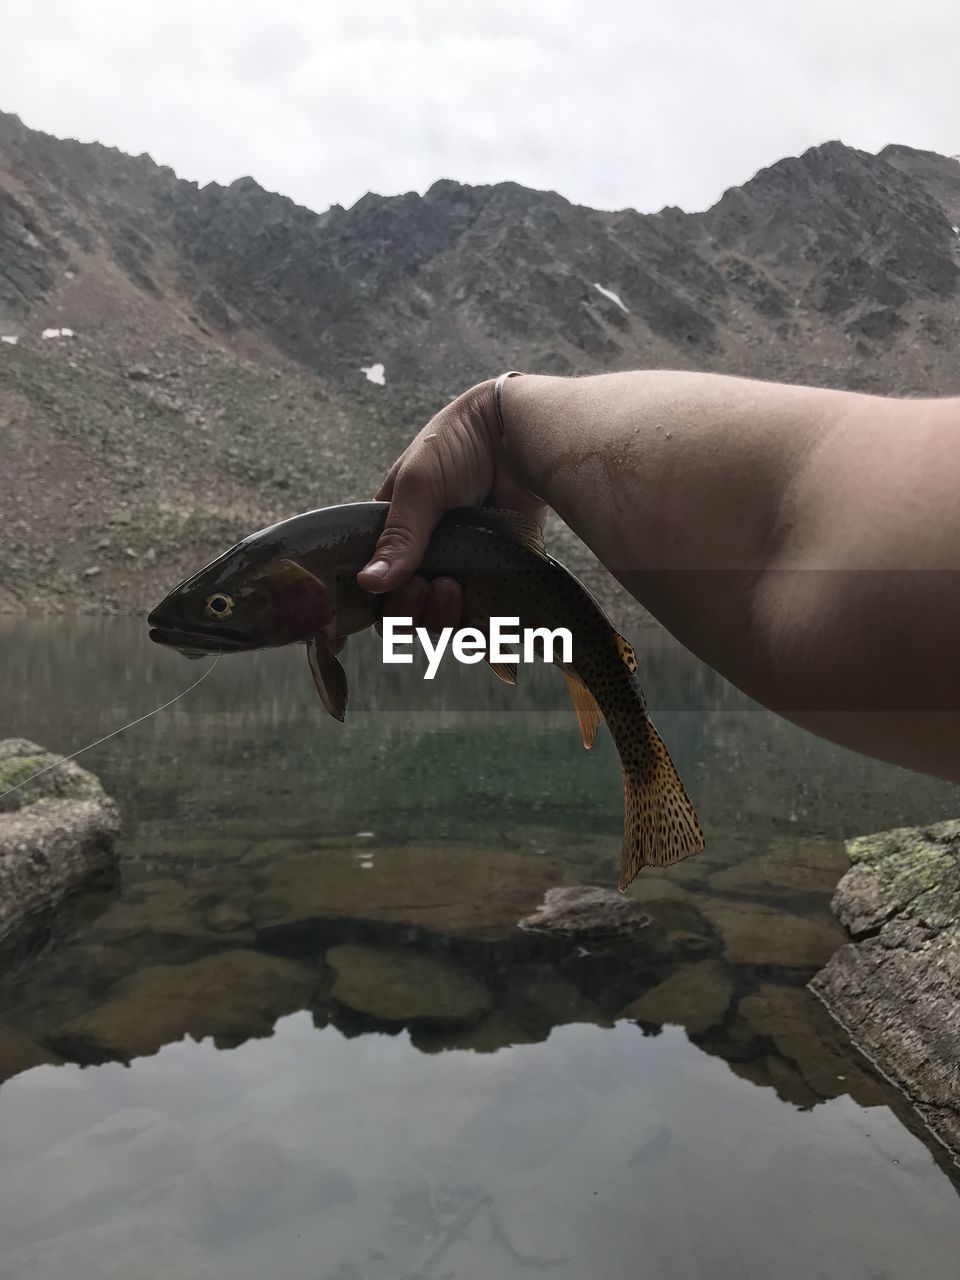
<point>501,562</point>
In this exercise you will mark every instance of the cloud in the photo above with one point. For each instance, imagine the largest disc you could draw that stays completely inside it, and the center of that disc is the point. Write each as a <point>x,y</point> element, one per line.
<point>611,103</point>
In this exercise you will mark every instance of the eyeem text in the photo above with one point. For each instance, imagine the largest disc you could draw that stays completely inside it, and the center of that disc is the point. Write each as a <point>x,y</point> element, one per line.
<point>503,643</point>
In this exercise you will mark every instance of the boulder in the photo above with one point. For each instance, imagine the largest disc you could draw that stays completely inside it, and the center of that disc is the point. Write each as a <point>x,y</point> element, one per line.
<point>446,890</point>
<point>230,996</point>
<point>810,1041</point>
<point>896,988</point>
<point>586,911</point>
<point>803,868</point>
<point>695,997</point>
<point>55,831</point>
<point>19,1053</point>
<point>756,934</point>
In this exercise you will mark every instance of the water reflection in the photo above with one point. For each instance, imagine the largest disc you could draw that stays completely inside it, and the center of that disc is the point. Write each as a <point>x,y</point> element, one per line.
<point>443,1091</point>
<point>594,1153</point>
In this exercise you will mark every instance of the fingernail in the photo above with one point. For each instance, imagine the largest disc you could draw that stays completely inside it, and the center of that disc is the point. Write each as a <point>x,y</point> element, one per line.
<point>374,573</point>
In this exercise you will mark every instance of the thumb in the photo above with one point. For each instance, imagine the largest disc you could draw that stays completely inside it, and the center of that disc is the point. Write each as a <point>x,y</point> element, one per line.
<point>415,509</point>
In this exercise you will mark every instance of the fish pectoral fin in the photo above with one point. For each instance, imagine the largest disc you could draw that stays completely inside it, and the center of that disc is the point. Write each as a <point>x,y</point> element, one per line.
<point>328,675</point>
<point>589,715</point>
<point>289,572</point>
<point>507,671</point>
<point>660,826</point>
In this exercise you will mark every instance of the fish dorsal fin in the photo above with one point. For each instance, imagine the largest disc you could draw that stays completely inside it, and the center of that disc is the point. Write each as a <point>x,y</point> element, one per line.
<point>328,675</point>
<point>521,528</point>
<point>507,671</point>
<point>627,655</point>
<point>589,715</point>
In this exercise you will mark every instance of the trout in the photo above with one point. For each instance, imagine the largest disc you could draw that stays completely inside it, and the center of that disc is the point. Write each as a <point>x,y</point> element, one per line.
<point>295,582</point>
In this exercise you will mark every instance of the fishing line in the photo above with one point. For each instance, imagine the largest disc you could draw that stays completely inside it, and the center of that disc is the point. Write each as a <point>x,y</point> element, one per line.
<point>107,736</point>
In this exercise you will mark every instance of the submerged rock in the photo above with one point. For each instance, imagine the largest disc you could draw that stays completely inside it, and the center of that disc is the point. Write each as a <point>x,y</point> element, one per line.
<point>804,868</point>
<point>805,1035</point>
<point>446,890</point>
<point>760,935</point>
<point>55,831</point>
<point>19,1053</point>
<point>896,988</point>
<point>394,985</point>
<point>231,996</point>
<point>586,911</point>
<point>534,1003</point>
<point>695,997</point>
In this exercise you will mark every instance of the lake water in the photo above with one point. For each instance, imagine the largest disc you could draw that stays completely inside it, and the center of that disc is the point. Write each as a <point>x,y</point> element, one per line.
<point>298,1035</point>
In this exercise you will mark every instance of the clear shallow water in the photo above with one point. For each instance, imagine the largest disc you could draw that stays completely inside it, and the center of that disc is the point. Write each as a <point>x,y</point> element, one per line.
<point>299,1103</point>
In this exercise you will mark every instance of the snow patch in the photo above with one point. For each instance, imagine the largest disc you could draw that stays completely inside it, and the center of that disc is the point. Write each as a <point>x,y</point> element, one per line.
<point>11,339</point>
<point>614,297</point>
<point>375,373</point>
<point>57,333</point>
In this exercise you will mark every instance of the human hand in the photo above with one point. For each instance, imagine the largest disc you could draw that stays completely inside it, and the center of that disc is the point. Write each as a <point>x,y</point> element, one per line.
<point>457,460</point>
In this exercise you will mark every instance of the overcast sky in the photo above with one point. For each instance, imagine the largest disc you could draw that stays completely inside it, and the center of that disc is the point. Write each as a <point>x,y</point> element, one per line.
<point>611,103</point>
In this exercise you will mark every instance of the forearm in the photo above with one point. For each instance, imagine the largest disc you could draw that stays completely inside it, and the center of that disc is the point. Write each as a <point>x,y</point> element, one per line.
<point>797,539</point>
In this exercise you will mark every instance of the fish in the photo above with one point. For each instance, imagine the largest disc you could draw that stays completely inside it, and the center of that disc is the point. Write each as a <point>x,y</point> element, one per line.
<point>295,582</point>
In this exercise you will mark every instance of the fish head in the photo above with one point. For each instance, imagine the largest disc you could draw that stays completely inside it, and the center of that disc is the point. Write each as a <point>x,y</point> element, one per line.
<point>248,598</point>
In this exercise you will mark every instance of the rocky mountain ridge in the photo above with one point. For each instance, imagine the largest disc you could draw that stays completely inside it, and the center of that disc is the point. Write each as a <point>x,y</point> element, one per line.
<point>215,365</point>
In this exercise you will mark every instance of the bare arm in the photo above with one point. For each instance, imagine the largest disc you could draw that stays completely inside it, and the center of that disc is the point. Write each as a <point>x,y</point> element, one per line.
<point>804,542</point>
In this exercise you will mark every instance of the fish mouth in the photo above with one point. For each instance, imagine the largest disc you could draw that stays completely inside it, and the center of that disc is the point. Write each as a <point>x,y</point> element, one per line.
<point>192,645</point>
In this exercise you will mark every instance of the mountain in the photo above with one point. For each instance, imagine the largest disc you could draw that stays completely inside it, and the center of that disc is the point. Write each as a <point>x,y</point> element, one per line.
<point>215,366</point>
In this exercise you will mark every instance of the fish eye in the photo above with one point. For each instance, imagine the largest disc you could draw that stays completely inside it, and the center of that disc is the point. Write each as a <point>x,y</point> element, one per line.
<point>219,605</point>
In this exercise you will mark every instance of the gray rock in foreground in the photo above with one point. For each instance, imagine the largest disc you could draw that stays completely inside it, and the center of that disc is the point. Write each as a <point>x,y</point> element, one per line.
<point>896,987</point>
<point>584,910</point>
<point>54,833</point>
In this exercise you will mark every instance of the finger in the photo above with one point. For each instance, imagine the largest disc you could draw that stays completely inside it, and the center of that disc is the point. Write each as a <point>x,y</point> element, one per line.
<point>408,601</point>
<point>385,492</point>
<point>415,509</point>
<point>443,605</point>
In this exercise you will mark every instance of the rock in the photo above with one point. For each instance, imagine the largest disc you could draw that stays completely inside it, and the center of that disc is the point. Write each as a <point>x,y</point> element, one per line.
<point>393,985</point>
<point>772,1072</point>
<point>92,572</point>
<point>20,759</point>
<point>465,891</point>
<point>138,373</point>
<point>804,1034</point>
<point>801,868</point>
<point>55,832</point>
<point>230,996</point>
<point>657,889</point>
<point>695,997</point>
<point>19,1053</point>
<point>531,1006</point>
<point>894,989</point>
<point>585,911</point>
<point>172,908</point>
<point>909,866</point>
<point>759,935</point>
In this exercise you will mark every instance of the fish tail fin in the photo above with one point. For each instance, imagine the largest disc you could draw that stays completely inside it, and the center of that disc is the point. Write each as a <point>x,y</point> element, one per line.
<point>660,826</point>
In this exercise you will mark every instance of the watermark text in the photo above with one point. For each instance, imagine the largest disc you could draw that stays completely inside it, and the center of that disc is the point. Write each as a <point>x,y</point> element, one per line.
<point>504,643</point>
